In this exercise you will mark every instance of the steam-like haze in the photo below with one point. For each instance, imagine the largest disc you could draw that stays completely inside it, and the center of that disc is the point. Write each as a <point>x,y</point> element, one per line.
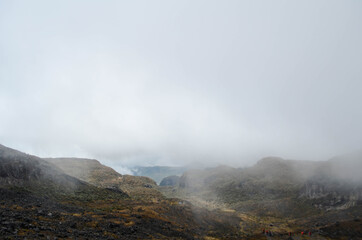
<point>181,82</point>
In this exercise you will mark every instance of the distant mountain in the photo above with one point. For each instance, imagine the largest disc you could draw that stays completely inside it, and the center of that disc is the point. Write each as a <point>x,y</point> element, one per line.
<point>157,173</point>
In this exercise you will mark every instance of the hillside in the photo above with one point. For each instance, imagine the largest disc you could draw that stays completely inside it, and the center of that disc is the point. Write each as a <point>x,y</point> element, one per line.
<point>95,173</point>
<point>34,175</point>
<point>278,190</point>
<point>275,178</point>
<point>38,200</point>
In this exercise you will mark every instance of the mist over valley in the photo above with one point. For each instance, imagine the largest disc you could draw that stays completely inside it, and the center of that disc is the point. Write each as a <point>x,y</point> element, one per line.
<point>180,119</point>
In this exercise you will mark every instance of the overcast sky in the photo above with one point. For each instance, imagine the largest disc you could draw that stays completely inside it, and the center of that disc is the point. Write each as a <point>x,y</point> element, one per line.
<point>180,82</point>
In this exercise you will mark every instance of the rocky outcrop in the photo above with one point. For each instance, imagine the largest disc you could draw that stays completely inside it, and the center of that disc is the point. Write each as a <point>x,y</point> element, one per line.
<point>170,181</point>
<point>332,195</point>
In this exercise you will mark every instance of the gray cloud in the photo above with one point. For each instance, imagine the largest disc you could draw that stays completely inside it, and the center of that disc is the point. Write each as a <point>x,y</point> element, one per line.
<point>160,82</point>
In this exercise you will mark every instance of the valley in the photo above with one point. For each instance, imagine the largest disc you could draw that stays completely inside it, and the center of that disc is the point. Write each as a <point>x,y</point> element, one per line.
<point>63,198</point>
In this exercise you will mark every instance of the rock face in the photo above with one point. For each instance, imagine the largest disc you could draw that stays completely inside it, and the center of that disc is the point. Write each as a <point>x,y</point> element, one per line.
<point>170,181</point>
<point>335,184</point>
<point>332,195</point>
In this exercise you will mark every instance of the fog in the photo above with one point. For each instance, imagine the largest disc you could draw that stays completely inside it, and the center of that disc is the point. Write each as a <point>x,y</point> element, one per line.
<point>181,82</point>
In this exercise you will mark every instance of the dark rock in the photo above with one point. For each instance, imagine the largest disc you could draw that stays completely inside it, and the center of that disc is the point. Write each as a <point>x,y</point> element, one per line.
<point>170,181</point>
